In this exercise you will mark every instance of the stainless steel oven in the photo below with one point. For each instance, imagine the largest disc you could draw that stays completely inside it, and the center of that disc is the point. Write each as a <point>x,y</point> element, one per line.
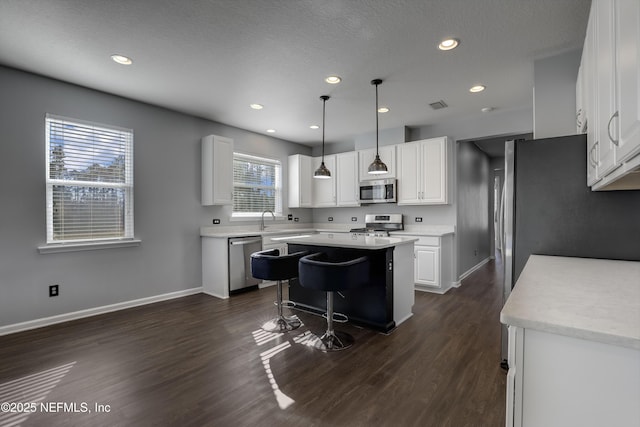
<point>378,191</point>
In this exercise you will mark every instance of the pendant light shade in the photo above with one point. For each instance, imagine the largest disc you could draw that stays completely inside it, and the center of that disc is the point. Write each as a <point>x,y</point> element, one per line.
<point>377,167</point>
<point>322,172</point>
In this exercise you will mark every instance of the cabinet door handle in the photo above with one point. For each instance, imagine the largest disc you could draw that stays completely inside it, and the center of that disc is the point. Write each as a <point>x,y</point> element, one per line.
<point>615,141</point>
<point>591,161</point>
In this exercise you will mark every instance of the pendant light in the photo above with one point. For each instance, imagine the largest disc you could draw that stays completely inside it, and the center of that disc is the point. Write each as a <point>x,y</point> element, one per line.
<point>322,172</point>
<point>377,167</point>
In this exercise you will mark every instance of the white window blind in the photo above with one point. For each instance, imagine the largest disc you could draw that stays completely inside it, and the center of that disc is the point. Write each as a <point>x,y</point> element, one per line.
<point>89,181</point>
<point>256,185</point>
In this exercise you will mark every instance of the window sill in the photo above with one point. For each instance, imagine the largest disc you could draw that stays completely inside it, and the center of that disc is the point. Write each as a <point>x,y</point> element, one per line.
<point>88,246</point>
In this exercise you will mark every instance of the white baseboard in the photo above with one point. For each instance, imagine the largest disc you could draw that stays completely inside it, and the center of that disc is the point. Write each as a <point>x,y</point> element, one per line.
<point>471,270</point>
<point>213,294</point>
<point>52,320</point>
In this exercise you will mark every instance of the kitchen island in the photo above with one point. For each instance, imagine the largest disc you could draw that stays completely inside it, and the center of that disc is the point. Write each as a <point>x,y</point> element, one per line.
<point>388,298</point>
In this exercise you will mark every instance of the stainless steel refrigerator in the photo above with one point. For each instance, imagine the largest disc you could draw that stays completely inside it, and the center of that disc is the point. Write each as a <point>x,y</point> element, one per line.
<point>547,209</point>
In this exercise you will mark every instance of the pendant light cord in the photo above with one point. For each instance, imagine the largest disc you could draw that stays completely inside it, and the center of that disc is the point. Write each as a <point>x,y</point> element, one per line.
<point>377,153</point>
<point>324,107</point>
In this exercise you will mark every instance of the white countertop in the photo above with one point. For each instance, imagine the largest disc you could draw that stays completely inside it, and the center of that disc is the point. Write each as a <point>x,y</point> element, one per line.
<point>348,240</point>
<point>223,232</point>
<point>232,231</point>
<point>597,300</point>
<point>426,230</point>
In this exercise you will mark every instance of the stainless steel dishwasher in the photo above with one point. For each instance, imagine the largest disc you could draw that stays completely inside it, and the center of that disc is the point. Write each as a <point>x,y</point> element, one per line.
<point>240,250</point>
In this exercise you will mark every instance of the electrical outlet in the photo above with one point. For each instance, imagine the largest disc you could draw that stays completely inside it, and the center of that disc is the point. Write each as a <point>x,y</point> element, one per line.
<point>216,221</point>
<point>296,219</point>
<point>354,218</point>
<point>330,218</point>
<point>289,217</point>
<point>418,219</point>
<point>54,290</point>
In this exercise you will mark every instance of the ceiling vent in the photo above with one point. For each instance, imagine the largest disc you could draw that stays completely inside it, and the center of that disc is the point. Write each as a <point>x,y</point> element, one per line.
<point>438,105</point>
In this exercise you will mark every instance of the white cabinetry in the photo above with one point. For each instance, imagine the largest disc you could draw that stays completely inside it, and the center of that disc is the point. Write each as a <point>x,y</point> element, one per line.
<point>299,182</point>
<point>388,157</point>
<point>427,265</point>
<point>433,263</point>
<point>556,380</point>
<point>324,190</point>
<point>347,179</point>
<point>422,172</point>
<point>627,32</point>
<point>609,92</point>
<point>217,170</point>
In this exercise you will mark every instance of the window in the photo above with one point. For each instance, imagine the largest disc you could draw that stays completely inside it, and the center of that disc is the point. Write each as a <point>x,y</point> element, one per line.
<point>89,181</point>
<point>257,185</point>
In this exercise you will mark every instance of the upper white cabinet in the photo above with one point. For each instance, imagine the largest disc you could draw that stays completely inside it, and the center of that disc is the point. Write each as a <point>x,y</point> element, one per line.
<point>323,191</point>
<point>388,157</point>
<point>299,182</point>
<point>217,170</point>
<point>608,88</point>
<point>627,31</point>
<point>347,185</point>
<point>422,172</point>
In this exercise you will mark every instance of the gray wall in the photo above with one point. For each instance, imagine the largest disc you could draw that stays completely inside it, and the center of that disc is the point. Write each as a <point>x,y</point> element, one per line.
<point>481,125</point>
<point>168,213</point>
<point>555,94</point>
<point>474,187</point>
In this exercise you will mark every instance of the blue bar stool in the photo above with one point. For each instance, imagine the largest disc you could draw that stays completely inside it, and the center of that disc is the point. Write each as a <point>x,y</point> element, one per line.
<point>270,265</point>
<point>317,272</point>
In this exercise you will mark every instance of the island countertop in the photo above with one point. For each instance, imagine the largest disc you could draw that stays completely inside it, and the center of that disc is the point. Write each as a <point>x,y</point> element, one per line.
<point>593,299</point>
<point>343,240</point>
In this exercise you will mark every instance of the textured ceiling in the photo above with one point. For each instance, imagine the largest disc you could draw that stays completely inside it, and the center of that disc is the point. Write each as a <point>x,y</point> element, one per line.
<point>212,58</point>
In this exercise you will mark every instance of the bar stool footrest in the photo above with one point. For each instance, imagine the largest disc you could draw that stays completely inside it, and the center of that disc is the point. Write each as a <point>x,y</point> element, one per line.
<point>282,324</point>
<point>337,317</point>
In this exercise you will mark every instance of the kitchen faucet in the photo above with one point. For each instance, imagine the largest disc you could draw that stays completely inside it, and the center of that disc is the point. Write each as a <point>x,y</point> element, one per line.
<point>262,226</point>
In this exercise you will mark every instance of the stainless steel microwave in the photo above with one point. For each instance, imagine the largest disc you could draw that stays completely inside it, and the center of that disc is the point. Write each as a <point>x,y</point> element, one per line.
<point>378,191</point>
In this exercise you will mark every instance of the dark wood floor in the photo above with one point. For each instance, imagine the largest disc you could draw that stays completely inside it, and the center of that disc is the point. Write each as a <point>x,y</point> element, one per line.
<point>199,361</point>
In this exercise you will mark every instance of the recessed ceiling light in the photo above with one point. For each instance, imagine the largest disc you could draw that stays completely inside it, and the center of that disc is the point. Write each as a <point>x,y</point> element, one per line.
<point>383,110</point>
<point>448,44</point>
<point>256,106</point>
<point>477,88</point>
<point>121,59</point>
<point>487,109</point>
<point>314,127</point>
<point>271,130</point>
<point>333,80</point>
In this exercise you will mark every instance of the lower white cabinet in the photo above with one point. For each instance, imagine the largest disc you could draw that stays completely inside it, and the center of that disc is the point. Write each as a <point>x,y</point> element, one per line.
<point>558,381</point>
<point>433,263</point>
<point>427,265</point>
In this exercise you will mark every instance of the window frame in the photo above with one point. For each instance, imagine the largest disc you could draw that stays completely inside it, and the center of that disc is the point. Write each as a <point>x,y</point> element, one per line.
<point>277,210</point>
<point>127,239</point>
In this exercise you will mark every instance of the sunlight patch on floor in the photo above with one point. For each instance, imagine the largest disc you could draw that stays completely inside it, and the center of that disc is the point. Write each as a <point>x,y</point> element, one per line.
<point>28,390</point>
